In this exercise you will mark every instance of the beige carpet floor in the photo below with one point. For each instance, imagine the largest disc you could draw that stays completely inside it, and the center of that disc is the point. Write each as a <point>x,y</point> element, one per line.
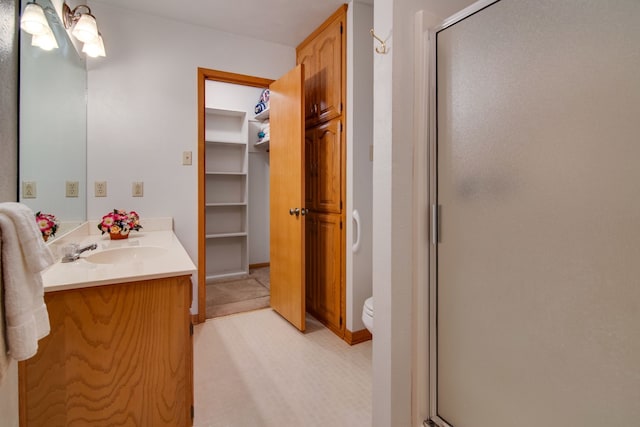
<point>255,369</point>
<point>248,293</point>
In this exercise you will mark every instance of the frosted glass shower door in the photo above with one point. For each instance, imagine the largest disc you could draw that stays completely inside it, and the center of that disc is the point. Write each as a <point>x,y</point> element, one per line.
<point>538,179</point>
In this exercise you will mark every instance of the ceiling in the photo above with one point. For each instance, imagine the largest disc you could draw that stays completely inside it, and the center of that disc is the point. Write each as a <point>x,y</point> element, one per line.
<point>286,22</point>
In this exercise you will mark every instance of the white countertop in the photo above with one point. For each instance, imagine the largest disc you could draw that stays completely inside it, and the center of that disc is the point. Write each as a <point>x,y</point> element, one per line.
<point>83,274</point>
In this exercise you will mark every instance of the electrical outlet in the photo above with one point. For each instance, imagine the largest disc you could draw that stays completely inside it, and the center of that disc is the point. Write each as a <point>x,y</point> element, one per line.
<point>137,189</point>
<point>100,188</point>
<point>72,188</point>
<point>29,190</point>
<point>186,158</point>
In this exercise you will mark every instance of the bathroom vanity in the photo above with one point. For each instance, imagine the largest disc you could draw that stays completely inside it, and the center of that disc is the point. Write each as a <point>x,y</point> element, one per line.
<point>120,347</point>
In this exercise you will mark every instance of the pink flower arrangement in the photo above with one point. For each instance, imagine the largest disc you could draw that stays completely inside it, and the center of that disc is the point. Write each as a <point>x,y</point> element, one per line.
<point>47,223</point>
<point>119,222</point>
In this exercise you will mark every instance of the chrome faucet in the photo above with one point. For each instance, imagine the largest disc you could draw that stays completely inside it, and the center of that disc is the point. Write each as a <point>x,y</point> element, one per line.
<point>73,251</point>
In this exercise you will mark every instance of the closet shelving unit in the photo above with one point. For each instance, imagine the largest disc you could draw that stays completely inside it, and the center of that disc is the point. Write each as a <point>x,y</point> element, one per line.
<point>226,193</point>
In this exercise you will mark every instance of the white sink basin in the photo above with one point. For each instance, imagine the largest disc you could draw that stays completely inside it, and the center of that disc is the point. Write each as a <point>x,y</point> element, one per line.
<point>125,255</point>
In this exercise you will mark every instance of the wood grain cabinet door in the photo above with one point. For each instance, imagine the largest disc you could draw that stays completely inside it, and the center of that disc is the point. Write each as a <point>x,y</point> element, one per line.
<point>329,78</point>
<point>310,169</point>
<point>311,231</point>
<point>323,56</point>
<point>307,57</point>
<point>328,254</point>
<point>329,177</point>
<point>116,355</point>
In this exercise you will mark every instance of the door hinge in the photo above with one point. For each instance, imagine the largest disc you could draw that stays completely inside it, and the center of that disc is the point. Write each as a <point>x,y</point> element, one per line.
<point>340,204</point>
<point>193,413</point>
<point>341,106</point>
<point>341,29</point>
<point>191,328</point>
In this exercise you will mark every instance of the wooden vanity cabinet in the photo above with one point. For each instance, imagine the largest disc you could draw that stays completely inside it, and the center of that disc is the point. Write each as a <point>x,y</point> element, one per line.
<point>322,54</point>
<point>117,355</point>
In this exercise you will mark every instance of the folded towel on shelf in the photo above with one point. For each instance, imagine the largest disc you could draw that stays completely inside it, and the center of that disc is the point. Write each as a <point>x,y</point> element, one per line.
<point>260,107</point>
<point>24,256</point>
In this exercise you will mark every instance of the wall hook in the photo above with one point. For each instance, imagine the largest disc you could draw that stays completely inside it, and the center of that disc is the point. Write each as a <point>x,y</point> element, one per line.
<point>382,49</point>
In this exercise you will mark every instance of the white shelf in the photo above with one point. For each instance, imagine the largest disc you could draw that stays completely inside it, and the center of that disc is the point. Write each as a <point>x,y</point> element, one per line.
<point>226,275</point>
<point>227,142</point>
<point>222,235</point>
<point>226,192</point>
<point>225,112</point>
<point>263,115</point>
<point>225,255</point>
<point>211,205</point>
<point>226,173</point>
<point>262,143</point>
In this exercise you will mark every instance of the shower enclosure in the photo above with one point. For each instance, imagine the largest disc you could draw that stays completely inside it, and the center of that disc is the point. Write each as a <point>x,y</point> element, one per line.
<point>535,188</point>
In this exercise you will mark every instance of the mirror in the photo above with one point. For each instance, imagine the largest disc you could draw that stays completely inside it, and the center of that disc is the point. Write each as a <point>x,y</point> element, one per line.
<point>53,126</point>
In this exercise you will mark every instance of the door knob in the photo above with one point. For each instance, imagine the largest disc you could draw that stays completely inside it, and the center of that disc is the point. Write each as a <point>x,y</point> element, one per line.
<point>304,211</point>
<point>294,211</point>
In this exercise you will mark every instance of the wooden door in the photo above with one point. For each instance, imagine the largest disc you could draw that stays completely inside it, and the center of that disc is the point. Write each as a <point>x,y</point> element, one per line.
<point>287,187</point>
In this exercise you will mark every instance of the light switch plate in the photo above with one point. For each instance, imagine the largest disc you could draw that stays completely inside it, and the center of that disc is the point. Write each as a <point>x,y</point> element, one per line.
<point>137,189</point>
<point>29,190</point>
<point>186,158</point>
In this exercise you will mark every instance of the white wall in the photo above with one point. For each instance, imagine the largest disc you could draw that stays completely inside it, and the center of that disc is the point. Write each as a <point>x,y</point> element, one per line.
<point>359,128</point>
<point>393,265</point>
<point>142,110</point>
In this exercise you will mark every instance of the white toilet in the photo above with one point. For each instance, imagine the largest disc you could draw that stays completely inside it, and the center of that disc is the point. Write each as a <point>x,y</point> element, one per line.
<point>367,314</point>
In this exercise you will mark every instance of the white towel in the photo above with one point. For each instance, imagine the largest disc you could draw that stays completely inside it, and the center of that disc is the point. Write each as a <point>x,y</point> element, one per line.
<point>24,256</point>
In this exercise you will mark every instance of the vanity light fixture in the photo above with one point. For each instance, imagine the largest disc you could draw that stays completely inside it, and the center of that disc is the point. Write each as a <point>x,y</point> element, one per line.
<point>85,28</point>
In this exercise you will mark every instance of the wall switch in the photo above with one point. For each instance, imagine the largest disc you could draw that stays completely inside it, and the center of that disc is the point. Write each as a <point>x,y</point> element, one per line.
<point>71,188</point>
<point>186,158</point>
<point>137,189</point>
<point>29,190</point>
<point>100,188</point>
